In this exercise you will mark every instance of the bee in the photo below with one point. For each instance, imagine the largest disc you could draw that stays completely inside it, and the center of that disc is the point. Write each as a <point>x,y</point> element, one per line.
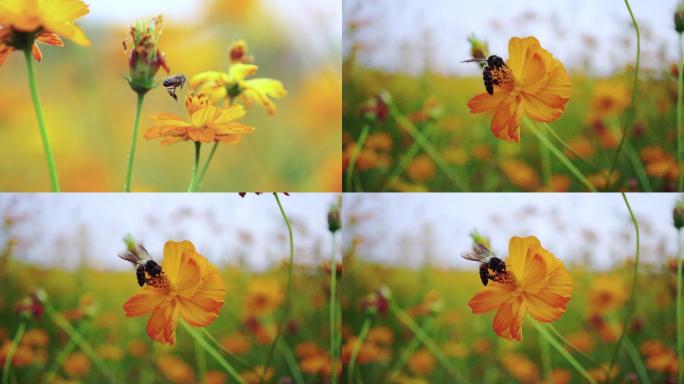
<point>494,72</point>
<point>173,82</point>
<point>144,265</point>
<point>491,267</point>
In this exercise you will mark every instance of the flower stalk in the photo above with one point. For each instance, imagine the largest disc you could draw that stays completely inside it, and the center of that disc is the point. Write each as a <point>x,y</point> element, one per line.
<point>13,349</point>
<point>355,155</point>
<point>213,353</point>
<point>194,180</point>
<point>680,86</point>
<point>563,352</point>
<point>365,327</point>
<point>334,337</point>
<point>678,309</point>
<point>38,109</point>
<point>134,140</point>
<point>408,351</point>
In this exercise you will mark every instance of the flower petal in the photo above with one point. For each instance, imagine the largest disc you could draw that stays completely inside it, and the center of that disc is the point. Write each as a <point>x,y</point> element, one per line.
<point>517,254</point>
<point>519,50</point>
<point>144,301</point>
<point>485,102</point>
<point>506,121</point>
<point>174,260</point>
<point>508,320</point>
<point>546,307</point>
<point>161,326</point>
<point>189,279</point>
<point>202,135</point>
<point>37,55</point>
<point>490,298</point>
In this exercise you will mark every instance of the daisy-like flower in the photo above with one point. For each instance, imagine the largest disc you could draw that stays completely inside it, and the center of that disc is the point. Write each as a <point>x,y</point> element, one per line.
<point>234,84</point>
<point>208,123</point>
<point>24,23</point>
<point>535,281</point>
<point>144,56</point>
<point>532,83</point>
<point>189,287</point>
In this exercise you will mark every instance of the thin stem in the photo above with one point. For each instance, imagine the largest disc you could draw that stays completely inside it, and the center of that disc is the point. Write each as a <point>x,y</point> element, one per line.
<point>429,149</point>
<point>680,149</point>
<point>630,303</point>
<point>63,354</point>
<point>568,164</point>
<point>567,146</point>
<point>12,350</point>
<point>288,289</point>
<point>408,351</point>
<point>213,353</point>
<point>564,352</point>
<point>291,361</point>
<point>237,358</point>
<point>545,358</point>
<point>206,165</point>
<point>80,341</point>
<point>38,109</point>
<point>678,308</point>
<point>356,151</point>
<point>633,353</point>
<point>406,159</point>
<point>201,360</point>
<point>634,159</point>
<point>420,333</point>
<point>134,140</point>
<point>333,307</point>
<point>193,181</point>
<point>357,347</point>
<point>546,163</point>
<point>632,106</point>
<point>570,345</point>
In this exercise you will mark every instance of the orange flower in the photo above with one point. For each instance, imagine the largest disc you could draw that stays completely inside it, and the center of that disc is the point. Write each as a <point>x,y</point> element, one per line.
<point>533,83</point>
<point>189,287</point>
<point>535,281</point>
<point>24,23</point>
<point>208,123</point>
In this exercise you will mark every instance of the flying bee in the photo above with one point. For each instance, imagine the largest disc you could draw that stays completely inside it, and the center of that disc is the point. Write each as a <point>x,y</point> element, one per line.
<point>490,266</point>
<point>144,265</point>
<point>173,82</point>
<point>494,71</point>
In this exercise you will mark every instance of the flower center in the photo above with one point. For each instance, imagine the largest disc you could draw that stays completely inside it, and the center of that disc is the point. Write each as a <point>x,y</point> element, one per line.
<point>503,77</point>
<point>505,278</point>
<point>160,281</point>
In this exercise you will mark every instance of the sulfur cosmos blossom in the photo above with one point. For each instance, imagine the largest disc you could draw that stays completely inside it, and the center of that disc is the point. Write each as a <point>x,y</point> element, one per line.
<point>535,281</point>
<point>24,23</point>
<point>234,84</point>
<point>533,83</point>
<point>208,123</point>
<point>189,287</point>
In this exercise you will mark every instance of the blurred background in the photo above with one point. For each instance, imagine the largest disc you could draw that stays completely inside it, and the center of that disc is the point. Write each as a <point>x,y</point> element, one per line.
<point>408,247</point>
<point>67,244</point>
<point>89,107</point>
<point>419,66</point>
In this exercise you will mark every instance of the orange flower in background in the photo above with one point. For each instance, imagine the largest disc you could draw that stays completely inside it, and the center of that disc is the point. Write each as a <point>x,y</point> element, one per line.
<point>607,293</point>
<point>609,98</point>
<point>533,83</point>
<point>422,362</point>
<point>189,287</point>
<point>208,123</point>
<point>535,281</point>
<point>520,367</point>
<point>26,22</point>
<point>77,365</point>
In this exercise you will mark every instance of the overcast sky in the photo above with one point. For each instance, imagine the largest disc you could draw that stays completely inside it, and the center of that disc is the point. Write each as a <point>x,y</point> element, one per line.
<point>404,228</point>
<point>395,26</point>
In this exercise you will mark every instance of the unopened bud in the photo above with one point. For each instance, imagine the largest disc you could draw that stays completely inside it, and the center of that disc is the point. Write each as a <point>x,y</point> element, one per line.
<point>678,214</point>
<point>679,18</point>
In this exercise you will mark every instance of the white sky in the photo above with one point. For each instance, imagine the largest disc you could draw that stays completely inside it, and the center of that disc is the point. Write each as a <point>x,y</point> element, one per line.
<point>559,26</point>
<point>398,233</point>
<point>52,233</point>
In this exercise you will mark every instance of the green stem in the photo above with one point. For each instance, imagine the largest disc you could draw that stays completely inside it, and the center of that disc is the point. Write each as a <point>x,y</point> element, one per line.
<point>38,109</point>
<point>80,341</point>
<point>570,345</point>
<point>193,181</point>
<point>356,151</point>
<point>429,149</point>
<point>288,289</point>
<point>408,351</point>
<point>333,307</point>
<point>406,159</point>
<point>357,347</point>
<point>680,149</point>
<point>566,145</point>
<point>634,159</point>
<point>62,356</point>
<point>630,303</point>
<point>201,360</point>
<point>563,352</point>
<point>546,163</point>
<point>291,361</point>
<point>633,353</point>
<point>420,333</point>
<point>678,308</point>
<point>545,358</point>
<point>134,140</point>
<point>206,165</point>
<point>12,350</point>
<point>557,152</point>
<point>237,358</point>
<point>213,352</point>
<point>632,107</point>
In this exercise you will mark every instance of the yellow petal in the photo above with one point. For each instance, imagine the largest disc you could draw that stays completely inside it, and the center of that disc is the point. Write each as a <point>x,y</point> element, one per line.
<point>239,71</point>
<point>144,301</point>
<point>517,254</point>
<point>235,112</point>
<point>200,117</point>
<point>161,326</point>
<point>490,298</point>
<point>518,51</point>
<point>173,258</point>
<point>508,320</point>
<point>189,279</point>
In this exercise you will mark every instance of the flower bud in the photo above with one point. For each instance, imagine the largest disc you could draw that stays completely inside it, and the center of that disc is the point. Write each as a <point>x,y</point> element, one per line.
<point>679,18</point>
<point>378,301</point>
<point>239,53</point>
<point>478,48</point>
<point>376,108</point>
<point>678,214</point>
<point>144,56</point>
<point>479,239</point>
<point>334,219</point>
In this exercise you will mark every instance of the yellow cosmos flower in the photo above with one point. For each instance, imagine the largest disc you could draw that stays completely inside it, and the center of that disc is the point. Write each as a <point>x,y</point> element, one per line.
<point>534,281</point>
<point>23,23</point>
<point>208,123</point>
<point>189,287</point>
<point>533,83</point>
<point>220,85</point>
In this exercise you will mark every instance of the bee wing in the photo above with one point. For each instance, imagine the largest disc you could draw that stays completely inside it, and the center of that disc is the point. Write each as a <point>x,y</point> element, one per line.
<point>474,61</point>
<point>473,256</point>
<point>137,256</point>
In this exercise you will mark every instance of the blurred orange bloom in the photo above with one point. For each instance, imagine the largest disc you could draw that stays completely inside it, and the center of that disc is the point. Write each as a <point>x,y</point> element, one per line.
<point>535,281</point>
<point>77,365</point>
<point>520,174</point>
<point>607,293</point>
<point>189,287</point>
<point>609,98</point>
<point>254,376</point>
<point>533,83</point>
<point>175,369</point>
<point>263,296</point>
<point>520,367</point>
<point>236,343</point>
<point>422,362</point>
<point>421,169</point>
<point>208,123</point>
<point>26,21</point>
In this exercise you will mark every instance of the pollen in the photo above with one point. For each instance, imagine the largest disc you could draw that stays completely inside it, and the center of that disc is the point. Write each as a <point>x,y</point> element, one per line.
<point>503,77</point>
<point>160,281</point>
<point>505,278</point>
